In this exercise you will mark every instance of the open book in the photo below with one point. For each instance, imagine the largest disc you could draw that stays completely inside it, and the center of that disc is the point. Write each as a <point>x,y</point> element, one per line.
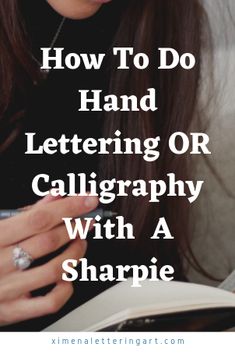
<point>156,306</point>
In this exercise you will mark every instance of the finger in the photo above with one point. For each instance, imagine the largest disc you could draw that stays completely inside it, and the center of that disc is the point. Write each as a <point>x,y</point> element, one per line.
<point>36,246</point>
<point>49,198</point>
<point>17,284</point>
<point>24,309</point>
<point>42,218</point>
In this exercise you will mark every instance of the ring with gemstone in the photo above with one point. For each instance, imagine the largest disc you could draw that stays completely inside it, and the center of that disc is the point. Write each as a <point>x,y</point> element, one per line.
<point>22,260</point>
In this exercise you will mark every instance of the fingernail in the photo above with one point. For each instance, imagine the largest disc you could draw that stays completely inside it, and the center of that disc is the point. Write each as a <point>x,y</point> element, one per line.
<point>91,202</point>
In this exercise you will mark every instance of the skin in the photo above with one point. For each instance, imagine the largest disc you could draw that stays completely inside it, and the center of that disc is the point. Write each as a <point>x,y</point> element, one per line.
<point>75,9</point>
<point>39,231</point>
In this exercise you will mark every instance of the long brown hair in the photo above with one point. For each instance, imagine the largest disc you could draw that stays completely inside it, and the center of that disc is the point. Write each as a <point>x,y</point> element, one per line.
<point>146,25</point>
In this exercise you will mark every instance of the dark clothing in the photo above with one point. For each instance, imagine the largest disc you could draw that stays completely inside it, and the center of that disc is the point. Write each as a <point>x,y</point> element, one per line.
<point>53,111</point>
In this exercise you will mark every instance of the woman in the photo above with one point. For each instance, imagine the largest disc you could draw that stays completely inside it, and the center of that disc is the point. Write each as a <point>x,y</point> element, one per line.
<point>30,100</point>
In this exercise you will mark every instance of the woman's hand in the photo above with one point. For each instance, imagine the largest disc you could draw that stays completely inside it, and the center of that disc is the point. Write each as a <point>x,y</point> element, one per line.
<point>38,231</point>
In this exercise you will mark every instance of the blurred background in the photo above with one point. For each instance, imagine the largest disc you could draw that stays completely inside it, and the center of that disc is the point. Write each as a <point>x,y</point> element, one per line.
<point>213,216</point>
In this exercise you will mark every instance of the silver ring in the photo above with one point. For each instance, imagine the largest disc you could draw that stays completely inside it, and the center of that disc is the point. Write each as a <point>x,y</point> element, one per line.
<point>21,259</point>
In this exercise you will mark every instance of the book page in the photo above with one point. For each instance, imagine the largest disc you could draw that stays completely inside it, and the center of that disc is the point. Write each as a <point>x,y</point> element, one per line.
<point>122,301</point>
